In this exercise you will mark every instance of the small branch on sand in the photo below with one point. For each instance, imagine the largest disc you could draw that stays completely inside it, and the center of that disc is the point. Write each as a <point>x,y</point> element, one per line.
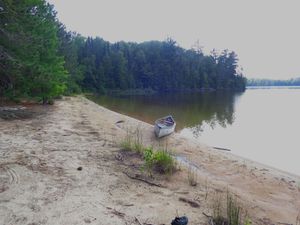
<point>137,177</point>
<point>192,203</point>
<point>223,149</point>
<point>210,219</point>
<point>137,220</point>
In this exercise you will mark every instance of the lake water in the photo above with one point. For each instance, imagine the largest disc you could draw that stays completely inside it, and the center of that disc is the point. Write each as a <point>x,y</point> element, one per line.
<point>262,124</point>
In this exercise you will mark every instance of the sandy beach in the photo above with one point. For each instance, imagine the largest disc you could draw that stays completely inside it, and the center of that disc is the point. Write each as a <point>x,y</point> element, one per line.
<point>64,166</point>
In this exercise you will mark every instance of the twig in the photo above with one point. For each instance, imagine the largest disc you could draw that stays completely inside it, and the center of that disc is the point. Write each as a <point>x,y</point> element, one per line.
<point>210,218</point>
<point>223,149</point>
<point>136,177</point>
<point>192,203</point>
<point>136,220</point>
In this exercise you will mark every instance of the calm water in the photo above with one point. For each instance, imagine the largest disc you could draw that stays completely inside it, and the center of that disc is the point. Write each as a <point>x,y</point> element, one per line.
<point>259,124</point>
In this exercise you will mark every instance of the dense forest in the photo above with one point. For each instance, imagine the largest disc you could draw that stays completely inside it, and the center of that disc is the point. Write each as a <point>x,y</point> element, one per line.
<point>269,82</point>
<point>40,58</point>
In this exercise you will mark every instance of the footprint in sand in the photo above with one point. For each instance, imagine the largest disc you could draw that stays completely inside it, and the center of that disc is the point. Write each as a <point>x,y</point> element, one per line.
<point>13,177</point>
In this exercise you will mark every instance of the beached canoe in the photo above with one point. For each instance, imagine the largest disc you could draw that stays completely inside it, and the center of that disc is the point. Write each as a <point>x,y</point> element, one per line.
<point>164,126</point>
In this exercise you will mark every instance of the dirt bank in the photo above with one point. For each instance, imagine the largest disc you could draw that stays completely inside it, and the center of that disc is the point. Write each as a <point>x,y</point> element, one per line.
<point>64,166</point>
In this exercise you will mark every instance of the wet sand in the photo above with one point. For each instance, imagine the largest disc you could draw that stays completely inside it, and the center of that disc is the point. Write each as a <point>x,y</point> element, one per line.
<point>64,166</point>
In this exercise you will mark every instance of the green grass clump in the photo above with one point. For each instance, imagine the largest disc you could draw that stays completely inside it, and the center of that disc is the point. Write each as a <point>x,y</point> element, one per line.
<point>159,160</point>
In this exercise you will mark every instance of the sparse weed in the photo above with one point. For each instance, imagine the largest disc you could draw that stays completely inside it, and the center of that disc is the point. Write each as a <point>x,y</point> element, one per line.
<point>233,211</point>
<point>192,176</point>
<point>127,143</point>
<point>159,160</point>
<point>229,213</point>
<point>138,141</point>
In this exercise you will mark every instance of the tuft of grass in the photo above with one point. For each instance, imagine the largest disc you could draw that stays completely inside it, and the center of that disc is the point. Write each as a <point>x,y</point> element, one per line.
<point>229,213</point>
<point>148,157</point>
<point>163,162</point>
<point>138,141</point>
<point>133,141</point>
<point>233,211</point>
<point>159,160</point>
<point>217,207</point>
<point>127,142</point>
<point>192,176</point>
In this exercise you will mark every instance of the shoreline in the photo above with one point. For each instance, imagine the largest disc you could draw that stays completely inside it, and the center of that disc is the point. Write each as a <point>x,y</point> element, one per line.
<point>230,153</point>
<point>40,182</point>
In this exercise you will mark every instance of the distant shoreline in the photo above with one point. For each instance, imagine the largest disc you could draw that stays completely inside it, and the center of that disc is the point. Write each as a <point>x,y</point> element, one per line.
<point>274,87</point>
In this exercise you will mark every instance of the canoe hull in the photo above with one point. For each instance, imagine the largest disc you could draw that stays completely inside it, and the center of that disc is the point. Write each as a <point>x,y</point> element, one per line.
<point>162,130</point>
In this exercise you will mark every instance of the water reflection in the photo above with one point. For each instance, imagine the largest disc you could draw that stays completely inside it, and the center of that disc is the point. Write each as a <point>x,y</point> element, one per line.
<point>189,109</point>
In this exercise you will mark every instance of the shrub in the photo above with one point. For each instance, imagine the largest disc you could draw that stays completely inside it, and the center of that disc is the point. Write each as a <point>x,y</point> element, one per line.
<point>163,162</point>
<point>159,160</point>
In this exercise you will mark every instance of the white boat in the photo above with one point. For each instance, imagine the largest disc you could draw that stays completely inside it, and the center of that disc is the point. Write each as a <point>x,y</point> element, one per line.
<point>164,126</point>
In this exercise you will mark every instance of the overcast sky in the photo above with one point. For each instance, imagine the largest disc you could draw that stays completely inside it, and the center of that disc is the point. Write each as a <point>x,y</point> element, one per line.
<point>264,33</point>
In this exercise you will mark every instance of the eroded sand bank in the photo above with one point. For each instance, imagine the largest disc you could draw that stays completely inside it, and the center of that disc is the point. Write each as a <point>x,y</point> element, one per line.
<point>41,182</point>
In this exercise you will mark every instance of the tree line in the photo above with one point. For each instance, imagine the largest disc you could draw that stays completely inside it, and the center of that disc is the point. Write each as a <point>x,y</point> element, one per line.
<point>270,82</point>
<point>40,58</point>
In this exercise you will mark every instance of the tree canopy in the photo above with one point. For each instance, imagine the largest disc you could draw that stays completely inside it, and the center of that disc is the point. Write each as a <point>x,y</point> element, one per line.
<point>40,58</point>
<point>30,63</point>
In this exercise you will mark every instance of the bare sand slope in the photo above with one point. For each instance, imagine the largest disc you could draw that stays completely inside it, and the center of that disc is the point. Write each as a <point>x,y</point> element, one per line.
<point>65,167</point>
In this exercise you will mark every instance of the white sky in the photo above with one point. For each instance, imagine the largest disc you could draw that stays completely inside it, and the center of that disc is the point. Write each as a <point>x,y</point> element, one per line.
<point>264,33</point>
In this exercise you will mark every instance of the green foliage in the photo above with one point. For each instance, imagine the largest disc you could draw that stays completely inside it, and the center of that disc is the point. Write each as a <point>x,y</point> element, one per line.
<point>40,58</point>
<point>31,65</point>
<point>163,162</point>
<point>148,157</point>
<point>160,66</point>
<point>160,160</point>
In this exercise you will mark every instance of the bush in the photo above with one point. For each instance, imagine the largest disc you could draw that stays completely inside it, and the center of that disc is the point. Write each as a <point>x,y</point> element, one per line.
<point>159,160</point>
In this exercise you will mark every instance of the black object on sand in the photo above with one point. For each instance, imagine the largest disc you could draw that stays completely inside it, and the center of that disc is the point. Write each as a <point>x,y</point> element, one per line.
<point>180,221</point>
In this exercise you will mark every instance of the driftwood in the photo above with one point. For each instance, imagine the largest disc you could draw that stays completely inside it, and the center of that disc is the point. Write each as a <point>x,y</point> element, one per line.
<point>137,177</point>
<point>223,149</point>
<point>191,202</point>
